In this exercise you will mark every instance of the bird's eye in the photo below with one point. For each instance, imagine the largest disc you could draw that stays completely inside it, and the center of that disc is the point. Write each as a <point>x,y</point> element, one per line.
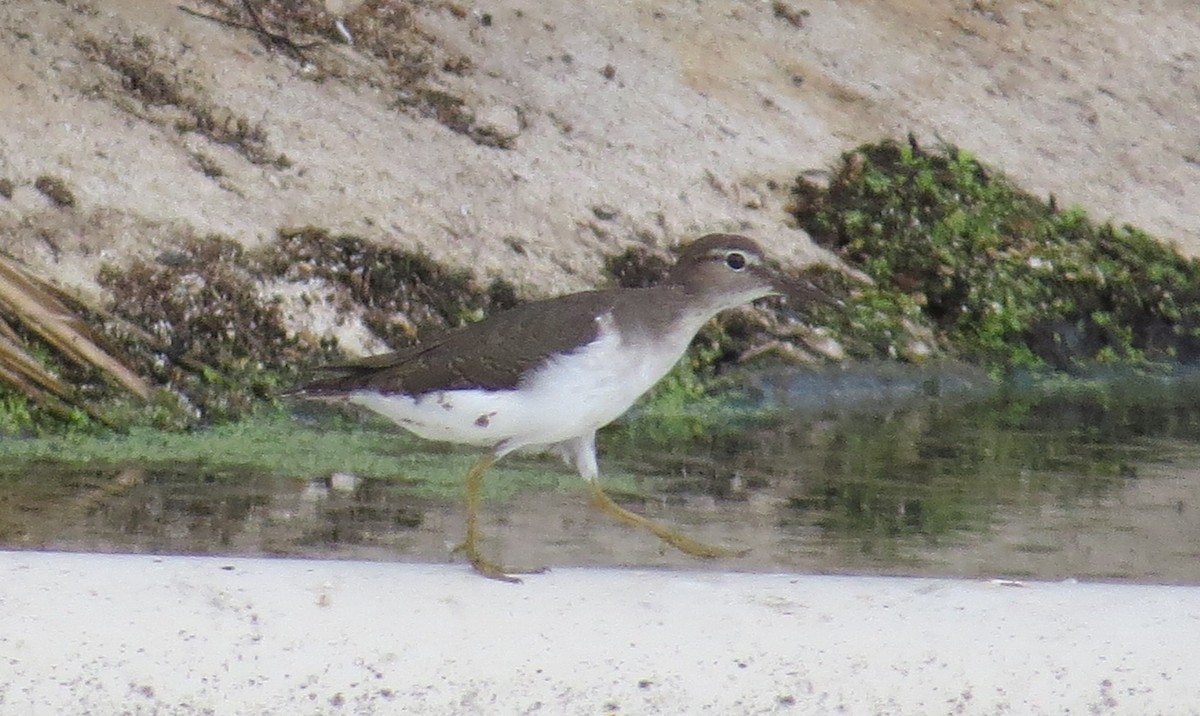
<point>735,260</point>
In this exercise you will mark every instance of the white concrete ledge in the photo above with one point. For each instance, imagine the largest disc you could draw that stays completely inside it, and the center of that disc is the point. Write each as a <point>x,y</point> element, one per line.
<point>107,634</point>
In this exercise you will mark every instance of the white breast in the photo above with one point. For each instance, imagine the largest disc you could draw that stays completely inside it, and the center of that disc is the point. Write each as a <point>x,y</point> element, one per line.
<point>569,396</point>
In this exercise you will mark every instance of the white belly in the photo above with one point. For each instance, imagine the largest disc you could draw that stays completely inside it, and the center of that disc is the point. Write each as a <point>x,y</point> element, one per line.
<point>569,397</point>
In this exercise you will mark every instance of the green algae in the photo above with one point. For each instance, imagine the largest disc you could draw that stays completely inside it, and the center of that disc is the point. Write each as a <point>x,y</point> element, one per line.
<point>273,443</point>
<point>1001,277</point>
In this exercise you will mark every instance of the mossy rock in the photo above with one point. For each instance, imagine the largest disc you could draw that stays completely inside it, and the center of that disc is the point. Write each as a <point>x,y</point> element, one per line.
<point>1003,277</point>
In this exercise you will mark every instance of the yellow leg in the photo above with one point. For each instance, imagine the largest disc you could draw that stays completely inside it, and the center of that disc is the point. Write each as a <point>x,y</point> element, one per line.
<point>671,537</point>
<point>470,545</point>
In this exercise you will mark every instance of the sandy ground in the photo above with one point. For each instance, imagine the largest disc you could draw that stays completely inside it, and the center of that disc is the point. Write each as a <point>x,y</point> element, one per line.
<point>179,635</point>
<point>632,121</point>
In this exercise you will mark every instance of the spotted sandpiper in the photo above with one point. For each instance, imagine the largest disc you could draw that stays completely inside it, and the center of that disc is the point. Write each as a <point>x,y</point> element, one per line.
<point>550,373</point>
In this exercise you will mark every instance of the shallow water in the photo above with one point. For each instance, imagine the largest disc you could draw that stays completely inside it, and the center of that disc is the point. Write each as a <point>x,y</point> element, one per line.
<point>902,474</point>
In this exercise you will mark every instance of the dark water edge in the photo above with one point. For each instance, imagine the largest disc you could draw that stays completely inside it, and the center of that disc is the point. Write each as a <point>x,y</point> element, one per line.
<point>929,471</point>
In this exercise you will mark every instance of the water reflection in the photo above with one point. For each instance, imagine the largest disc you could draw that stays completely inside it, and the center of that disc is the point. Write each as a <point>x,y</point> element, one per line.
<point>972,483</point>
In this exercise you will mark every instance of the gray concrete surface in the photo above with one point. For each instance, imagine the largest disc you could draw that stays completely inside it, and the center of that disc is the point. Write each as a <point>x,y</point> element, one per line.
<point>107,634</point>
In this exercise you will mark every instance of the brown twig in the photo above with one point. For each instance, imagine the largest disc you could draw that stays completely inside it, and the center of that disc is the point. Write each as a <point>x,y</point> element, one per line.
<point>267,37</point>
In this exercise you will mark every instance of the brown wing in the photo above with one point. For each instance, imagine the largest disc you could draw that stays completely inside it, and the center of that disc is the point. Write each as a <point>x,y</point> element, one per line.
<point>491,354</point>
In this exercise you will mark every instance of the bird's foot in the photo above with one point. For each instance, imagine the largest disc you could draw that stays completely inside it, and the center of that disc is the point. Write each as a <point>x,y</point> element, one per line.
<point>490,569</point>
<point>679,541</point>
<point>687,545</point>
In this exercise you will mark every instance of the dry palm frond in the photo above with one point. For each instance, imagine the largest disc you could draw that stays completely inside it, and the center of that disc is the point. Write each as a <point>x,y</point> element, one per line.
<point>16,379</point>
<point>15,361</point>
<point>36,304</point>
<point>7,332</point>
